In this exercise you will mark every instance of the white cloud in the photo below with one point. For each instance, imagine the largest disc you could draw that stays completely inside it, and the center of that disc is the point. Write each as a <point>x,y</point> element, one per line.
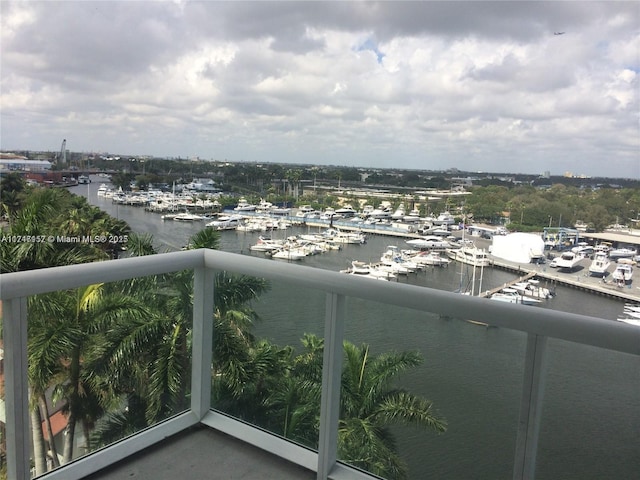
<point>465,84</point>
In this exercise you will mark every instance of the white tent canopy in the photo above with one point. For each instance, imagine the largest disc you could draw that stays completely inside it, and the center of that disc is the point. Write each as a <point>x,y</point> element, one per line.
<point>517,247</point>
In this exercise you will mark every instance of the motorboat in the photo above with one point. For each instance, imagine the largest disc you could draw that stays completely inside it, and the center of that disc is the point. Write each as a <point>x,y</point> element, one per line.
<point>399,213</point>
<point>474,256</point>
<point>379,213</point>
<point>432,258</point>
<point>511,295</point>
<point>187,217</point>
<point>366,270</point>
<point>623,273</point>
<point>338,236</point>
<point>624,252</point>
<point>393,258</point>
<point>583,250</point>
<point>263,206</point>
<point>430,242</point>
<point>266,245</point>
<point>567,261</point>
<point>599,264</point>
<point>532,288</point>
<point>244,206</point>
<point>346,211</point>
<point>445,218</point>
<point>289,253</point>
<point>226,222</point>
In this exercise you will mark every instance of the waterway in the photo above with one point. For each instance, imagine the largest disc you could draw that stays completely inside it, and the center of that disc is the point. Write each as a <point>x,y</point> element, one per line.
<point>471,373</point>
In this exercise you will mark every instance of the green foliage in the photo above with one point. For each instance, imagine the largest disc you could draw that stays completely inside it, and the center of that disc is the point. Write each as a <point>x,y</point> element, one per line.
<point>531,209</point>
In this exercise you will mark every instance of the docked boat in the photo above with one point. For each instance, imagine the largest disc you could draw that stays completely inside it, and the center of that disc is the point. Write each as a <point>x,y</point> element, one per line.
<point>567,261</point>
<point>473,256</point>
<point>394,258</point>
<point>244,206</point>
<point>630,321</point>
<point>186,217</point>
<point>338,236</point>
<point>511,295</point>
<point>102,190</point>
<point>226,222</point>
<point>623,273</point>
<point>346,211</point>
<point>431,258</point>
<point>583,250</point>
<point>366,270</point>
<point>599,264</point>
<point>266,245</point>
<point>623,253</point>
<point>532,288</point>
<point>429,242</point>
<point>445,218</point>
<point>289,253</point>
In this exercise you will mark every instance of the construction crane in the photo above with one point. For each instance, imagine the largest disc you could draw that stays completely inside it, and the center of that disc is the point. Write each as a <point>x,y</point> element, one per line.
<point>62,157</point>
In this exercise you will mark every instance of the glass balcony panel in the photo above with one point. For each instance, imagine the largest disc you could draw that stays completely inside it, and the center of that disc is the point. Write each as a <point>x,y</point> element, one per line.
<point>471,373</point>
<point>591,414</point>
<point>3,437</point>
<point>279,384</point>
<point>114,357</point>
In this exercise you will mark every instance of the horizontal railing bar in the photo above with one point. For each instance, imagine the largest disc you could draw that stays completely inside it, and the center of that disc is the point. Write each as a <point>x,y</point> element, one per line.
<point>609,334</point>
<point>45,280</point>
<point>598,332</point>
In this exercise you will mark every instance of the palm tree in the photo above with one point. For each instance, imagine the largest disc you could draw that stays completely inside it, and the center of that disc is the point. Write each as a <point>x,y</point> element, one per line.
<point>157,349</point>
<point>40,216</point>
<point>370,404</point>
<point>67,332</point>
<point>12,188</point>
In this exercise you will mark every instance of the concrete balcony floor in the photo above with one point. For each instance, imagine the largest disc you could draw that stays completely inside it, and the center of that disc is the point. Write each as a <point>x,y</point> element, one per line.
<point>203,453</point>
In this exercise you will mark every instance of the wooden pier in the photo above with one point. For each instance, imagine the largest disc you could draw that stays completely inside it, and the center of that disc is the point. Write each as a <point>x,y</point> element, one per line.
<point>488,293</point>
<point>577,280</point>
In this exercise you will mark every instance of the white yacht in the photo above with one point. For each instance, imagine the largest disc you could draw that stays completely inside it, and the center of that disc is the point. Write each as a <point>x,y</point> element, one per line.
<point>532,288</point>
<point>244,206</point>
<point>599,264</point>
<point>511,295</point>
<point>226,222</point>
<point>623,273</point>
<point>346,211</point>
<point>432,258</point>
<point>187,217</point>
<point>366,270</point>
<point>445,218</point>
<point>474,256</point>
<point>624,252</point>
<point>429,242</point>
<point>567,261</point>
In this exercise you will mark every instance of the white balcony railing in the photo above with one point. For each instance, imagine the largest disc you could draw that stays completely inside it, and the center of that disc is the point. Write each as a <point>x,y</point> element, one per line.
<point>539,325</point>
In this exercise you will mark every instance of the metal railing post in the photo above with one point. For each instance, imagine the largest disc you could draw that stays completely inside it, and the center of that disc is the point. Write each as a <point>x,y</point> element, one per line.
<point>331,381</point>
<point>202,340</point>
<point>16,388</point>
<point>535,368</point>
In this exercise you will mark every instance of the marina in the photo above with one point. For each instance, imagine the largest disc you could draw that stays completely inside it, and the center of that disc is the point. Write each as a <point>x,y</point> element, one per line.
<point>471,373</point>
<point>240,235</point>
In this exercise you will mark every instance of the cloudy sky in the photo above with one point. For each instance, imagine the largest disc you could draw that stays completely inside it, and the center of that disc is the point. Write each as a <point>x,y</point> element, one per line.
<point>480,86</point>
